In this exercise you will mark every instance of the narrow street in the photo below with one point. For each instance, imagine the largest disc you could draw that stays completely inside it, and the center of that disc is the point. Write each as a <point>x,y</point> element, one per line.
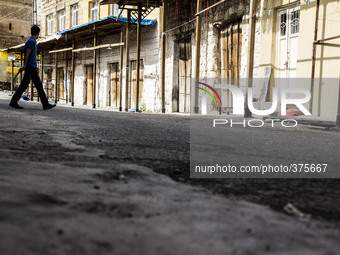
<point>84,181</point>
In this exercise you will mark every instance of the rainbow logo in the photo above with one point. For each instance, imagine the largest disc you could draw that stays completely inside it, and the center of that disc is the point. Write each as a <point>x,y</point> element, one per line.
<point>213,90</point>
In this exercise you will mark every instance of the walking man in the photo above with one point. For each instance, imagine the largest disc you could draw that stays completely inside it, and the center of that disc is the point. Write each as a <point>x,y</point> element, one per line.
<point>31,72</point>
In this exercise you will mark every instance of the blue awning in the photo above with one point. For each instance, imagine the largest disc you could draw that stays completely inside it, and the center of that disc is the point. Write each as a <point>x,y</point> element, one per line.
<point>145,22</point>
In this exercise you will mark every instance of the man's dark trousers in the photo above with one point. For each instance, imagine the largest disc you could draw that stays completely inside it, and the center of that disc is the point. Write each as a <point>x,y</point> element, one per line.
<point>30,73</point>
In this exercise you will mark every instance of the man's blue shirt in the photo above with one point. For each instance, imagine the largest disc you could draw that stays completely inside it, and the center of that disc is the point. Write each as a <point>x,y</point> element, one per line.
<point>31,43</point>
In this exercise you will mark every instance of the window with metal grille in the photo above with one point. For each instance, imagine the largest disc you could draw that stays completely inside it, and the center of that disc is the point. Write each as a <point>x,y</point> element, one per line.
<point>295,21</point>
<point>283,24</point>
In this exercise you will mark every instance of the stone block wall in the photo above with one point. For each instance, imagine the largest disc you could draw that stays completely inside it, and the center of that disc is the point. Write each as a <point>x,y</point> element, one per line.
<point>213,22</point>
<point>151,94</point>
<point>15,28</point>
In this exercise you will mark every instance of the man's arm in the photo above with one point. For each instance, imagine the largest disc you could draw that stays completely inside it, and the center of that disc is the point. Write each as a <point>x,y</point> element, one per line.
<point>27,54</point>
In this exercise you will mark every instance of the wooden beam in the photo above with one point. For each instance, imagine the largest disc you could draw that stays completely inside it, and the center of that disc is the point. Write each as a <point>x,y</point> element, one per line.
<point>94,70</point>
<point>31,84</point>
<point>163,50</point>
<point>251,42</point>
<point>212,6</point>
<point>328,39</point>
<point>61,50</point>
<point>42,69</point>
<point>329,44</point>
<point>197,53</point>
<point>12,78</point>
<point>72,75</point>
<point>314,55</point>
<point>21,63</point>
<point>251,46</point>
<point>127,70</point>
<point>121,71</point>
<point>138,54</point>
<point>99,47</point>
<point>338,116</point>
<point>56,77</point>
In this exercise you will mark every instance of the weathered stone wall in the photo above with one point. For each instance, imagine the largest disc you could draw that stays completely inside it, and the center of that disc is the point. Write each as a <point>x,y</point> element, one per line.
<point>15,24</point>
<point>53,7</point>
<point>213,22</point>
<point>151,94</point>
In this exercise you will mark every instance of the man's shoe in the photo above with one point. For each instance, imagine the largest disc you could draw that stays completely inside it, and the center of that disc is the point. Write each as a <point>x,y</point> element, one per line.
<point>49,106</point>
<point>15,105</point>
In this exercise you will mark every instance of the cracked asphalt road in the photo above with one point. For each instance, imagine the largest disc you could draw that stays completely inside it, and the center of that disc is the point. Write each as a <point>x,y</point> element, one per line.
<point>81,181</point>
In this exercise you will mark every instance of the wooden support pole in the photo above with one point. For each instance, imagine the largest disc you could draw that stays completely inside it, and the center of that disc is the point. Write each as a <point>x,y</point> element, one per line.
<point>138,54</point>
<point>127,60</point>
<point>42,71</point>
<point>251,47</point>
<point>12,78</point>
<point>197,53</point>
<point>56,78</point>
<point>251,42</point>
<point>94,71</point>
<point>21,63</point>
<point>67,89</point>
<point>338,117</point>
<point>314,55</point>
<point>72,75</point>
<point>164,13</point>
<point>121,48</point>
<point>32,91</point>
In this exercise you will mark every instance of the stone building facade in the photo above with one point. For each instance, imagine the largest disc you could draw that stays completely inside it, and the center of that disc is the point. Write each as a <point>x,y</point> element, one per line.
<point>107,74</point>
<point>15,24</point>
